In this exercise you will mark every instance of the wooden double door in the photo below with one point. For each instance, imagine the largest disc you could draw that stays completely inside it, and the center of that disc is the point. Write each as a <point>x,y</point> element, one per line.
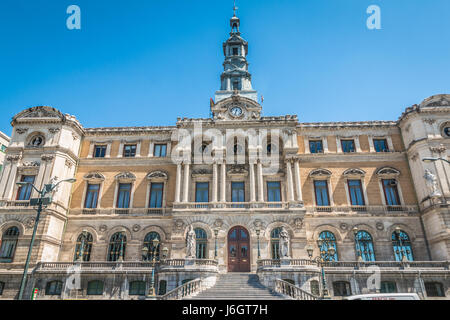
<point>238,250</point>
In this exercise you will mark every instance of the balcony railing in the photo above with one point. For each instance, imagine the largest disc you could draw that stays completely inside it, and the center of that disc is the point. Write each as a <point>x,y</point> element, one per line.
<point>120,211</point>
<point>183,291</point>
<point>364,209</point>
<point>235,205</point>
<point>289,262</point>
<point>14,203</point>
<point>293,291</point>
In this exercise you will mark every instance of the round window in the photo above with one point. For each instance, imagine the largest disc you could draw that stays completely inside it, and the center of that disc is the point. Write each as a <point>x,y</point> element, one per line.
<point>37,141</point>
<point>447,131</point>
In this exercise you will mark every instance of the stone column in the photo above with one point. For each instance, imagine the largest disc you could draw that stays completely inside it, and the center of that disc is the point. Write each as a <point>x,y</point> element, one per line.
<point>289,182</point>
<point>260,183</point>
<point>223,182</point>
<point>298,184</point>
<point>215,184</point>
<point>178,184</point>
<point>252,182</point>
<point>8,175</point>
<point>186,182</point>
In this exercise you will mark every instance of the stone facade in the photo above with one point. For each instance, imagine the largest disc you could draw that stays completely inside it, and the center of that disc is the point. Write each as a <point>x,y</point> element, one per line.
<point>4,142</point>
<point>276,183</point>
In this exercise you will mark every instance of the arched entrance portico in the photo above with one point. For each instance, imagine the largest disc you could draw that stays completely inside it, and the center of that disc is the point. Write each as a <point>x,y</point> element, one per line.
<point>238,250</point>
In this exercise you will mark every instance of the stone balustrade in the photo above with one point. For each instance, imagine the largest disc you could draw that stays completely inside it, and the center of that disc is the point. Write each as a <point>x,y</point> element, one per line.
<point>293,291</point>
<point>363,209</point>
<point>183,291</point>
<point>221,206</point>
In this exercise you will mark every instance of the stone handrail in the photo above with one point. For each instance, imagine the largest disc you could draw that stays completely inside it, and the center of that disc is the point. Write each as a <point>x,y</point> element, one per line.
<point>94,266</point>
<point>293,291</point>
<point>364,209</point>
<point>181,262</point>
<point>183,291</point>
<point>120,211</point>
<point>288,262</point>
<point>236,205</point>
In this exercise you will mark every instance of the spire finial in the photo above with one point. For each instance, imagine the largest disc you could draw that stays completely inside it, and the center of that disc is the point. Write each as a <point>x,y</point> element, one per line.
<point>235,8</point>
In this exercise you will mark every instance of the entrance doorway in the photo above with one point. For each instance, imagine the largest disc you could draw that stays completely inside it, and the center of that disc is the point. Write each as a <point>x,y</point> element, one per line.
<point>238,250</point>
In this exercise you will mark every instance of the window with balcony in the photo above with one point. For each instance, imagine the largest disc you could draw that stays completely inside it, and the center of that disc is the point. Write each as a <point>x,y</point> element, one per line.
<point>201,240</point>
<point>156,195</point>
<point>95,288</point>
<point>364,246</point>
<point>315,146</point>
<point>321,193</point>
<point>53,288</point>
<point>237,192</point>
<point>129,150</point>
<point>137,288</point>
<point>24,192</point>
<point>356,192</point>
<point>100,151</point>
<point>434,289</point>
<point>202,192</point>
<point>274,191</point>
<point>83,246</point>
<point>92,192</point>
<point>401,244</point>
<point>388,287</point>
<point>9,244</point>
<point>348,146</point>
<point>160,150</point>
<point>342,289</point>
<point>123,196</point>
<point>117,247</point>
<point>380,145</point>
<point>390,188</point>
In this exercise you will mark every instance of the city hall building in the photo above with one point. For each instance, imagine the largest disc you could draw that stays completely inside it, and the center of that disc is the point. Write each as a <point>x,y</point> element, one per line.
<point>302,210</point>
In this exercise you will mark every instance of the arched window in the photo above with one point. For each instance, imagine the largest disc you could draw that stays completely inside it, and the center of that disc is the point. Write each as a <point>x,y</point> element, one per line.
<point>137,288</point>
<point>364,246</point>
<point>315,290</point>
<point>275,243</point>
<point>201,243</point>
<point>95,288</point>
<point>83,247</point>
<point>9,244</point>
<point>117,246</point>
<point>327,240</point>
<point>151,250</point>
<point>402,246</point>
<point>53,288</point>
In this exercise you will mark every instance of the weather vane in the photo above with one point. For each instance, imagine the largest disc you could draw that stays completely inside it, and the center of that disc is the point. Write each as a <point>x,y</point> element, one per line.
<point>235,8</point>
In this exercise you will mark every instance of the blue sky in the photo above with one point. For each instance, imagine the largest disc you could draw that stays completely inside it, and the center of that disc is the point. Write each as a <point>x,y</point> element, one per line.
<point>147,62</point>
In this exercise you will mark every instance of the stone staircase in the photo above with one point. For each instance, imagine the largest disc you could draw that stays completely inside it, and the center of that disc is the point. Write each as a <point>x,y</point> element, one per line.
<point>238,286</point>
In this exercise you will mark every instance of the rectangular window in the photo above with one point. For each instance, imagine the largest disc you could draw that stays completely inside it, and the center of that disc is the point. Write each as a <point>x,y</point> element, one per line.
<point>99,151</point>
<point>391,192</point>
<point>3,148</point>
<point>342,289</point>
<point>156,195</point>
<point>24,192</point>
<point>356,193</point>
<point>95,288</point>
<point>348,146</point>
<point>235,51</point>
<point>2,287</point>
<point>315,146</point>
<point>434,289</point>
<point>137,288</point>
<point>160,150</point>
<point>273,191</point>
<point>237,192</point>
<point>92,196</point>
<point>388,287</point>
<point>321,191</point>
<point>123,195</point>
<point>202,192</point>
<point>236,85</point>
<point>129,150</point>
<point>380,145</point>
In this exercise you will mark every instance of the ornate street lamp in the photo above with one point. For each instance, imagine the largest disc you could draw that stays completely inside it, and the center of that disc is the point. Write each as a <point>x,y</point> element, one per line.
<point>155,245</point>
<point>257,237</point>
<point>216,232</point>
<point>358,251</point>
<point>404,255</point>
<point>41,201</point>
<point>84,235</point>
<point>326,255</point>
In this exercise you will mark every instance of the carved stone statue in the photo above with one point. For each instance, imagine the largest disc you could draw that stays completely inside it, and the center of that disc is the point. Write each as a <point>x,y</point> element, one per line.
<point>284,243</point>
<point>432,184</point>
<point>190,243</point>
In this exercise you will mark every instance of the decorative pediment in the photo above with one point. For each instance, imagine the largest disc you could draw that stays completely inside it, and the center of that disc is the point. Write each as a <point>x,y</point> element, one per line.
<point>200,172</point>
<point>354,172</point>
<point>320,173</point>
<point>237,169</point>
<point>94,176</point>
<point>440,100</point>
<point>125,176</point>
<point>159,174</point>
<point>39,113</point>
<point>388,171</point>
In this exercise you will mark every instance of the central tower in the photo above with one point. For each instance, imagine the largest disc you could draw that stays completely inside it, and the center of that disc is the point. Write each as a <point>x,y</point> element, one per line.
<point>235,77</point>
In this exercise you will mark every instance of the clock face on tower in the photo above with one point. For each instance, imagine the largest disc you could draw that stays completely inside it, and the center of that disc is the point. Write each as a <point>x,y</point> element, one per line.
<point>236,111</point>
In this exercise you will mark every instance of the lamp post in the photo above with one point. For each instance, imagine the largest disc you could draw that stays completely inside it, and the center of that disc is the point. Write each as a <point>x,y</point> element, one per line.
<point>154,249</point>
<point>257,237</point>
<point>325,255</point>
<point>402,250</point>
<point>81,253</point>
<point>216,232</point>
<point>47,189</point>
<point>358,251</point>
